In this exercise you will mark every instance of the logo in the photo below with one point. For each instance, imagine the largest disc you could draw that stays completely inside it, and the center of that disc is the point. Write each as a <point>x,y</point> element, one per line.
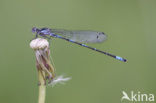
<point>137,96</point>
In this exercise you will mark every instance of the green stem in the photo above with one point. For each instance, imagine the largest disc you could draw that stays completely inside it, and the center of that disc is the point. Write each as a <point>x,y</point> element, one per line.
<point>42,87</point>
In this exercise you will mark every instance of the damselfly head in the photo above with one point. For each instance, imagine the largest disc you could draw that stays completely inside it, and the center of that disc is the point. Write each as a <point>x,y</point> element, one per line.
<point>34,29</point>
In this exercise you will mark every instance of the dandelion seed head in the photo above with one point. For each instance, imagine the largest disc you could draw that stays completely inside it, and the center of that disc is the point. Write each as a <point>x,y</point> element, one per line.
<point>39,43</point>
<point>43,63</point>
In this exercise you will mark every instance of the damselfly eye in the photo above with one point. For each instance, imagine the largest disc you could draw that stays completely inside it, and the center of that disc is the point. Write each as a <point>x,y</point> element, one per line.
<point>34,29</point>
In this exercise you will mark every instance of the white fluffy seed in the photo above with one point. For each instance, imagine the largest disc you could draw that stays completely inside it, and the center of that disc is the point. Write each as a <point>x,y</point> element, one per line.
<point>39,43</point>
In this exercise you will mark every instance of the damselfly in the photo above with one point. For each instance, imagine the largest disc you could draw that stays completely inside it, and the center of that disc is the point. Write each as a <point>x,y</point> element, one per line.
<point>77,37</point>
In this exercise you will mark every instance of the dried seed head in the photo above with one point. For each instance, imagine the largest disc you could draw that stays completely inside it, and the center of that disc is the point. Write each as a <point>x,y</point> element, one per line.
<point>43,63</point>
<point>39,43</point>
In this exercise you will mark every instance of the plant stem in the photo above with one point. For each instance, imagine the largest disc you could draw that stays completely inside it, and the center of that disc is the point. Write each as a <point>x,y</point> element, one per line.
<point>42,87</point>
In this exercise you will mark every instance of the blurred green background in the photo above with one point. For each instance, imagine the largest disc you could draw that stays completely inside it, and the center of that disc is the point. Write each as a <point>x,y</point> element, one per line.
<point>131,29</point>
